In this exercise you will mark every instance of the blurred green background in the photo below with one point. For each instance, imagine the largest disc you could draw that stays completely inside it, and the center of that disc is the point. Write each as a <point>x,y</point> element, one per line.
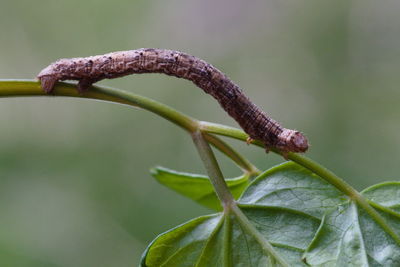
<point>75,189</point>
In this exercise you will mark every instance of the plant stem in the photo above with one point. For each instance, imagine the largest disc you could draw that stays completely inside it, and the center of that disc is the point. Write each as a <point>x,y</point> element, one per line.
<point>226,198</point>
<point>16,88</point>
<point>213,170</point>
<point>314,167</point>
<point>234,155</point>
<point>216,128</point>
<point>31,88</point>
<point>13,88</point>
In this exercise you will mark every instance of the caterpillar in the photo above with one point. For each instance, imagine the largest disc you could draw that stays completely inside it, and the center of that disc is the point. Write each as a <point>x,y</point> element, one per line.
<point>256,123</point>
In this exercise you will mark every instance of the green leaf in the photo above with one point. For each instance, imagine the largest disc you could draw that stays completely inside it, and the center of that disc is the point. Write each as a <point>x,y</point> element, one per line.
<point>183,245</point>
<point>291,186</point>
<point>305,219</point>
<point>198,187</point>
<point>221,239</point>
<point>349,236</point>
<point>386,194</point>
<point>217,240</point>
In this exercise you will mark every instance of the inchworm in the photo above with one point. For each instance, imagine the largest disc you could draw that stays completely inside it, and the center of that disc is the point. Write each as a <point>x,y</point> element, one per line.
<point>257,124</point>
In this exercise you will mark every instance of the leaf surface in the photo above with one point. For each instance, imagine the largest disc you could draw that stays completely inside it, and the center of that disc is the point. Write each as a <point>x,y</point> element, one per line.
<point>348,236</point>
<point>305,219</point>
<point>291,186</point>
<point>386,194</point>
<point>222,240</point>
<point>198,187</point>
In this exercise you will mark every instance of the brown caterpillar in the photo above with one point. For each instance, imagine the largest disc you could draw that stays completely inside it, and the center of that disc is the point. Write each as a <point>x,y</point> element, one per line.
<point>257,124</point>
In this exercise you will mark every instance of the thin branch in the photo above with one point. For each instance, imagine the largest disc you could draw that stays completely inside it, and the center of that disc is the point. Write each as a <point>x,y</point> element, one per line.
<point>242,162</point>
<point>16,88</point>
<point>213,170</point>
<point>13,88</point>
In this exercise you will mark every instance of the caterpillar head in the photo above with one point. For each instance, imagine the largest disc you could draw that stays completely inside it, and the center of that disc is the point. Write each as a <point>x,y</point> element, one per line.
<point>292,141</point>
<point>48,77</point>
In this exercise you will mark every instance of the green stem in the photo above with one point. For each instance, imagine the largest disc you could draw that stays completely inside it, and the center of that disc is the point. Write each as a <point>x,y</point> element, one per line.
<point>234,155</point>
<point>227,200</point>
<point>213,170</point>
<point>314,167</point>
<point>13,88</point>
<point>215,128</point>
<point>31,88</point>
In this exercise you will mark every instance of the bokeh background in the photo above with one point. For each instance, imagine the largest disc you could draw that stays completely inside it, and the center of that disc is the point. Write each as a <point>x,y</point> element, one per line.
<point>75,188</point>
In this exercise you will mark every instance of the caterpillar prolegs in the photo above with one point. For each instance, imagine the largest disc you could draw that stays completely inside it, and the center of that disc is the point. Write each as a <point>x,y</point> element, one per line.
<point>256,123</point>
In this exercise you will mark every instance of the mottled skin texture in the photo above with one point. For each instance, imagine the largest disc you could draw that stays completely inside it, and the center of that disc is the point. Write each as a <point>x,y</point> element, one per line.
<point>257,124</point>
